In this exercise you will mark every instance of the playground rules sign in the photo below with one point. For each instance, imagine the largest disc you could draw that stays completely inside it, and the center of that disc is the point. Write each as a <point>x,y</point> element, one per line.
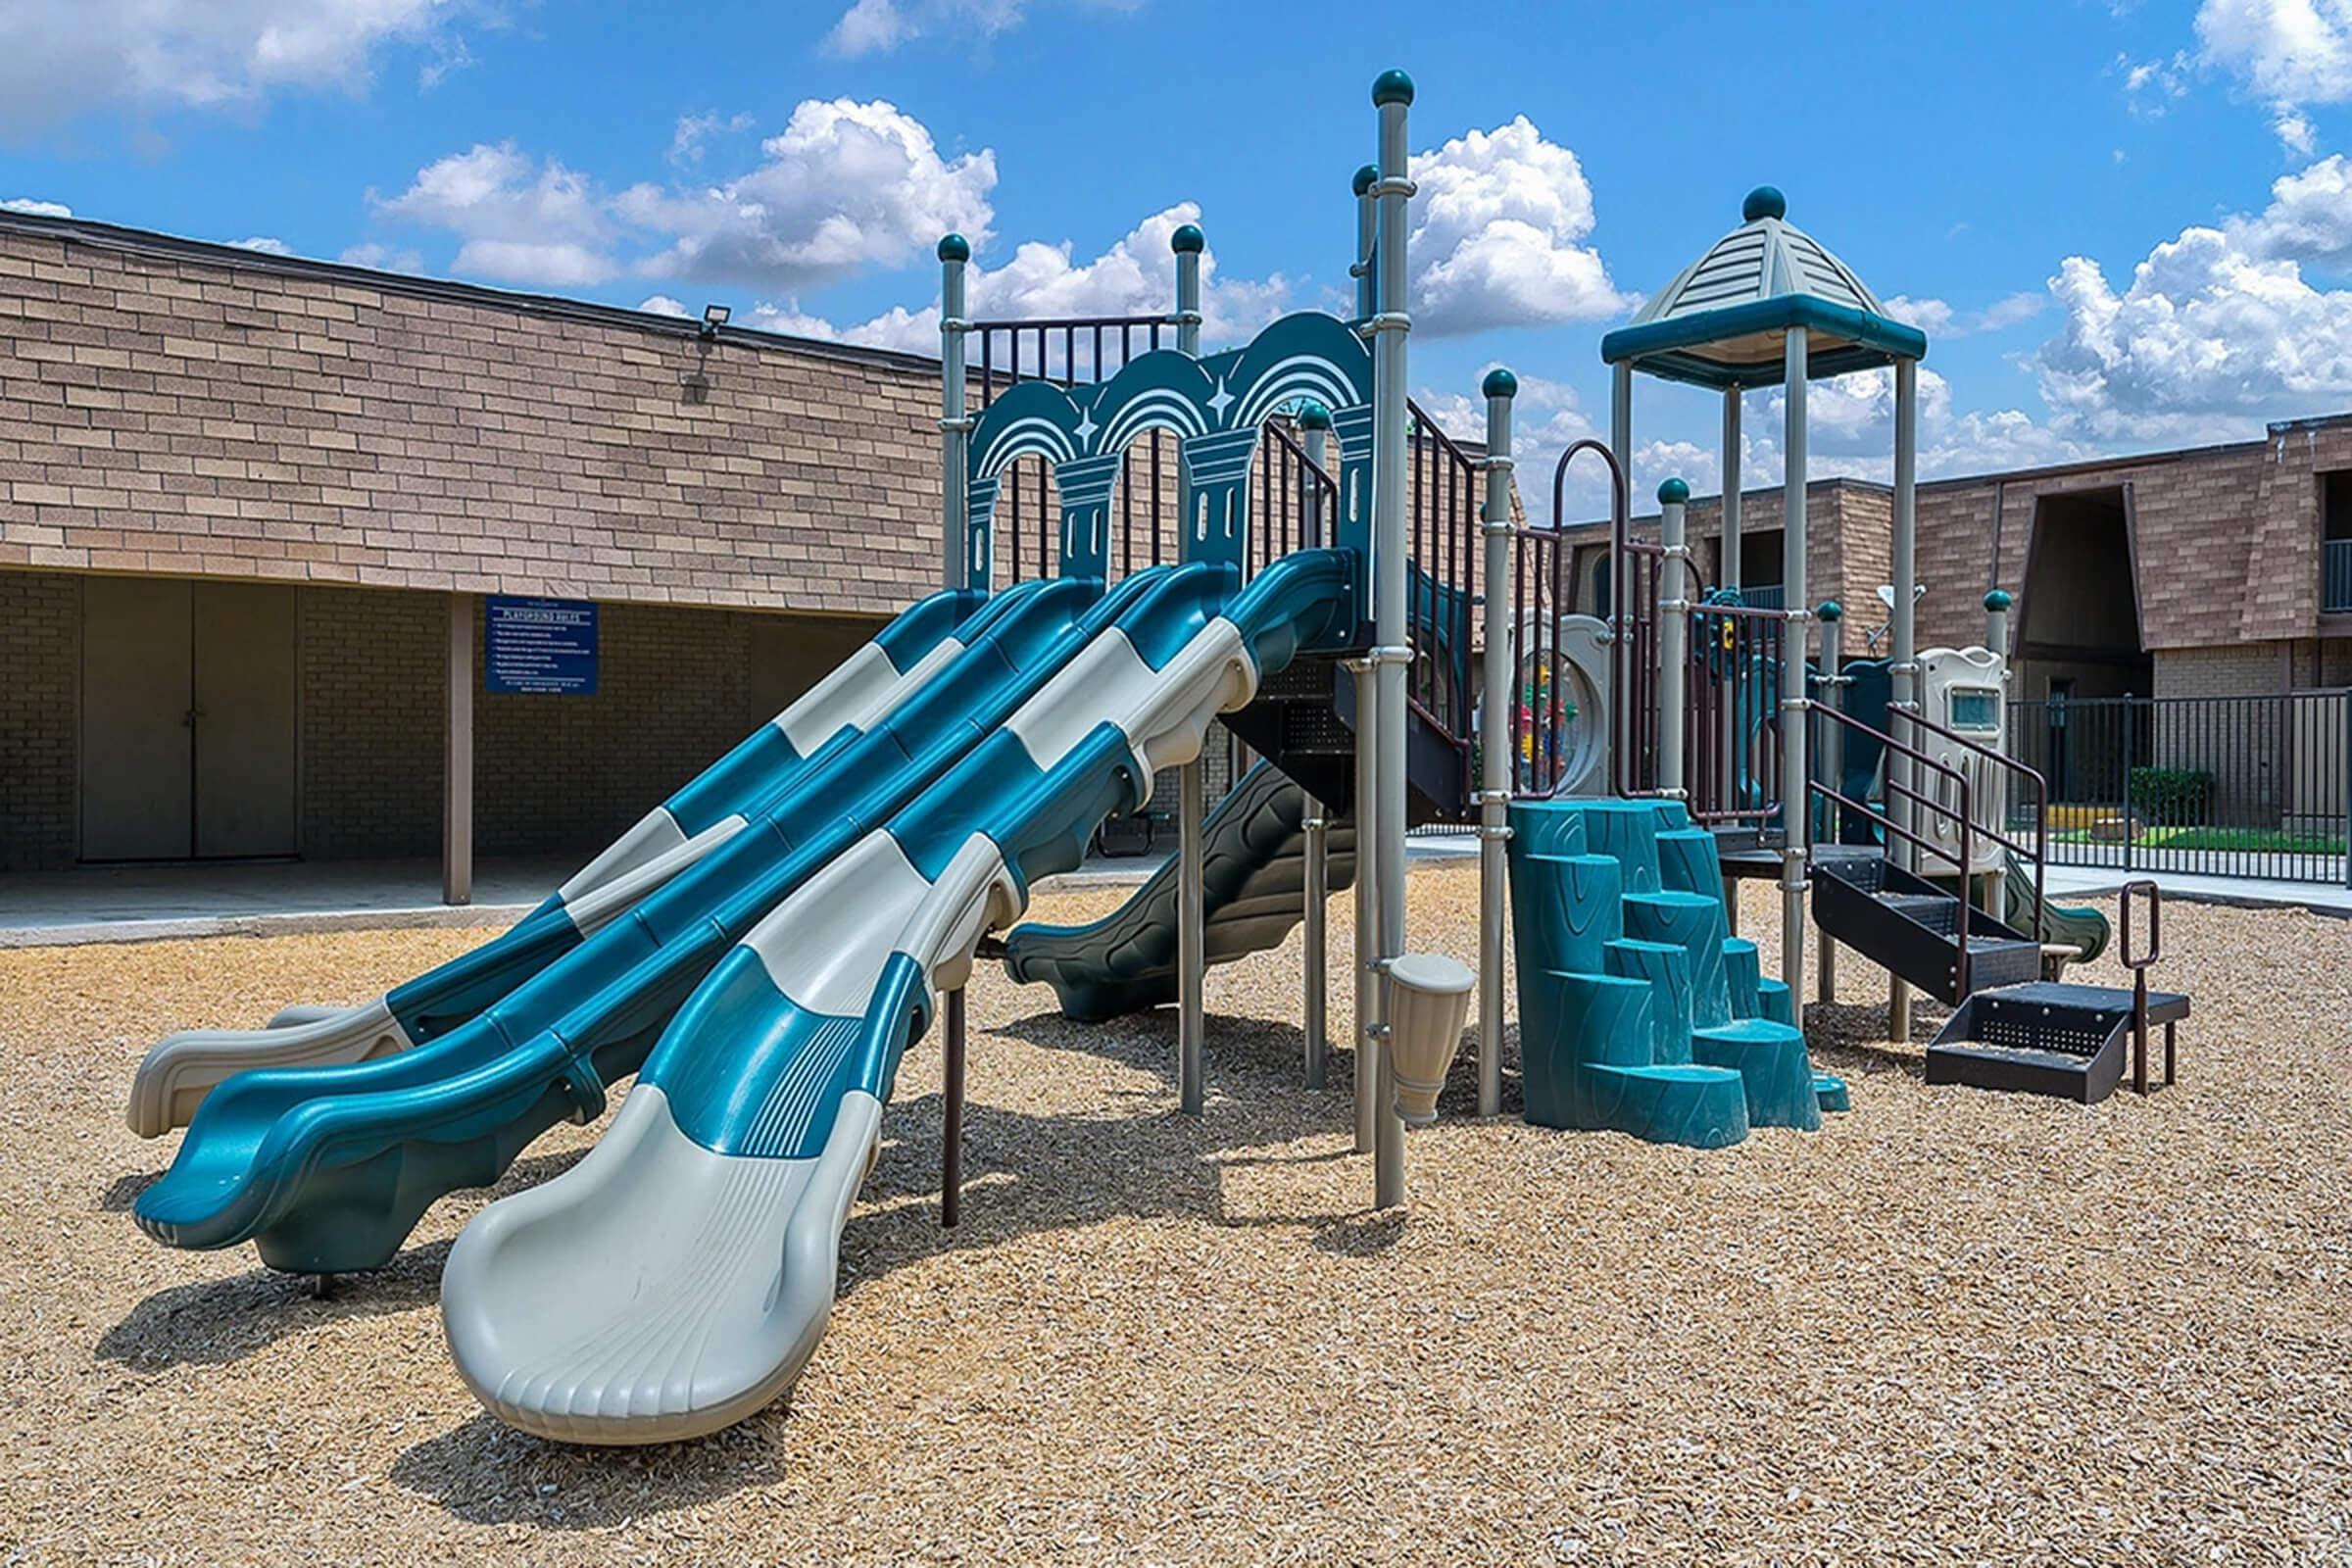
<point>543,647</point>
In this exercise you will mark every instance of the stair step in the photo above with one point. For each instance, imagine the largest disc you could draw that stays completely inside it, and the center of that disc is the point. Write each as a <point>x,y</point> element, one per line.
<point>1704,1107</point>
<point>1770,1058</point>
<point>2021,1070</point>
<point>1830,1090</point>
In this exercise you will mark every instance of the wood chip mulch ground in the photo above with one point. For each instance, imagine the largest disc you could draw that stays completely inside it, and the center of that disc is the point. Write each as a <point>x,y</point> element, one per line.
<point>1953,1327</point>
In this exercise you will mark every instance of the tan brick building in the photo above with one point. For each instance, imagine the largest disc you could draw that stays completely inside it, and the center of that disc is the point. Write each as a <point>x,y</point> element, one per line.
<point>2221,571</point>
<point>241,498</point>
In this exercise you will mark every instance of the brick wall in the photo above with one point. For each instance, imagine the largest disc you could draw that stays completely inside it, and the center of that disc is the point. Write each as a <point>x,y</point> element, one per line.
<point>171,413</point>
<point>40,621</point>
<point>2241,669</point>
<point>372,717</point>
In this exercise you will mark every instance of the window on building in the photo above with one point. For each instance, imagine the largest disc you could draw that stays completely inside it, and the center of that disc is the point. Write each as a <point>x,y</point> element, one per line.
<point>2335,532</point>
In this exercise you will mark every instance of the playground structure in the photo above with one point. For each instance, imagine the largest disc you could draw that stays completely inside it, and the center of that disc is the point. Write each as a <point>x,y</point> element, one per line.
<point>1345,587</point>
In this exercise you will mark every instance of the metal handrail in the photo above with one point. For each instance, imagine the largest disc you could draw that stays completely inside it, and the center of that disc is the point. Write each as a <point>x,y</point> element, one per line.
<point>2139,968</point>
<point>2041,814</point>
<point>1815,786</point>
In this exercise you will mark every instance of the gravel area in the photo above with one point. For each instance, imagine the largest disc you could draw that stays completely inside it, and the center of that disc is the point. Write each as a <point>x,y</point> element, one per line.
<point>1953,1327</point>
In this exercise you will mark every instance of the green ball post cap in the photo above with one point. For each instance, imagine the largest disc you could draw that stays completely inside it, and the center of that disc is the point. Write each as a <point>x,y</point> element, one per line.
<point>1393,87</point>
<point>1998,599</point>
<point>954,248</point>
<point>1313,415</point>
<point>1765,201</point>
<point>1500,383</point>
<point>1187,240</point>
<point>1829,612</point>
<point>1365,177</point>
<point>1673,493</point>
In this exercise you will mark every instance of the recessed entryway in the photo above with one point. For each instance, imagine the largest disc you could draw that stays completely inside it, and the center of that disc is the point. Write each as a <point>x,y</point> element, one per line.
<point>189,711</point>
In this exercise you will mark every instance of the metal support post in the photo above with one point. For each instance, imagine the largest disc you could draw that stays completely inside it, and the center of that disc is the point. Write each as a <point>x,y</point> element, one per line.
<point>1729,546</point>
<point>1675,604</point>
<point>1996,643</point>
<point>955,422</point>
<point>1191,941</point>
<point>1314,428</point>
<point>1494,737</point>
<point>457,772</point>
<point>1391,96</point>
<point>1796,797</point>
<point>1833,757</point>
<point>1367,912</point>
<point>1903,669</point>
<point>951,1148</point>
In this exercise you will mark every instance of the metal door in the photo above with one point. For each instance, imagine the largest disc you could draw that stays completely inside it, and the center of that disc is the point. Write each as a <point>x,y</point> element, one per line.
<point>138,728</point>
<point>245,704</point>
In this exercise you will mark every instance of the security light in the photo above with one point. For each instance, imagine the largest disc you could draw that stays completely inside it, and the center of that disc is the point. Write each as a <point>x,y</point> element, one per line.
<point>714,316</point>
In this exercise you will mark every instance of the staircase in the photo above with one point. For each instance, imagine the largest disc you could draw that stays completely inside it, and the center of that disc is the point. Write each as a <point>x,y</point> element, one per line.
<point>1638,1012</point>
<point>1910,927</point>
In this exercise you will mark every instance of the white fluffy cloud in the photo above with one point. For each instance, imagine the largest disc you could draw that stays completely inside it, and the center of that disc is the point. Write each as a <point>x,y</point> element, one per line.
<point>843,187</point>
<point>517,220</point>
<point>264,244</point>
<point>877,27</point>
<point>61,59</point>
<point>2291,54</point>
<point>1940,320</point>
<point>38,208</point>
<point>1497,235</point>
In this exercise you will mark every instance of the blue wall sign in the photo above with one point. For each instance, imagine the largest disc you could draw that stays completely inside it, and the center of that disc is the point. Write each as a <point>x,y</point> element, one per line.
<point>541,646</point>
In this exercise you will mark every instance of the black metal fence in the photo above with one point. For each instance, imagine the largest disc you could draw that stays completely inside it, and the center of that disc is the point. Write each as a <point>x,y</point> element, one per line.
<point>2209,786</point>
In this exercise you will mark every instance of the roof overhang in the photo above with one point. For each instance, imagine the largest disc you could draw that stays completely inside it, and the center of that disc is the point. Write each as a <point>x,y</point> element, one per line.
<point>1746,345</point>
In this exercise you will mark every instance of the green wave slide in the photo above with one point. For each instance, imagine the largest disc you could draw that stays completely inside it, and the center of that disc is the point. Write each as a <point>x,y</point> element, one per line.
<point>740,788</point>
<point>1254,891</point>
<point>327,1170</point>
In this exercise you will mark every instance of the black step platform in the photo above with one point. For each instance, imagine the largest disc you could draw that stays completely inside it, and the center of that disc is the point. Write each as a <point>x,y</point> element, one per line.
<point>2047,1038</point>
<point>1910,926</point>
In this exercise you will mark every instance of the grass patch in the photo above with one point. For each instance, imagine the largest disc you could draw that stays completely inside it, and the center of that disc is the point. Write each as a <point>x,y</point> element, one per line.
<point>2243,839</point>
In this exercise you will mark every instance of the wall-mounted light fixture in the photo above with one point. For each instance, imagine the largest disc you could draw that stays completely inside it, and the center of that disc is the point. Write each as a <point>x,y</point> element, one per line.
<point>714,316</point>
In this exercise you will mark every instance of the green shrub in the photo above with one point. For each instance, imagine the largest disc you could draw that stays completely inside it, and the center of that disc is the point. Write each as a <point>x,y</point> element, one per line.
<point>2176,796</point>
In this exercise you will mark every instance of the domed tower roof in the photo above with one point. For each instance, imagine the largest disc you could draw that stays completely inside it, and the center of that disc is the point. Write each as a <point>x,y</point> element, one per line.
<point>1724,318</point>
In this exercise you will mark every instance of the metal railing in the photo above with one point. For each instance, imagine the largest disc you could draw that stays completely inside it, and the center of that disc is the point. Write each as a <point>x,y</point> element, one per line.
<point>2336,574</point>
<point>2038,822</point>
<point>1963,822</point>
<point>2248,786</point>
<point>1767,597</point>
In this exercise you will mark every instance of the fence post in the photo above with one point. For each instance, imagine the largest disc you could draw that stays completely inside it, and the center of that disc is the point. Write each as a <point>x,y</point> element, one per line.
<point>2124,782</point>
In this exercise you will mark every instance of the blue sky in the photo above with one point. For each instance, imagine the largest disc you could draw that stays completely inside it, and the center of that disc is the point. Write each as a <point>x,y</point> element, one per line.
<point>2122,225</point>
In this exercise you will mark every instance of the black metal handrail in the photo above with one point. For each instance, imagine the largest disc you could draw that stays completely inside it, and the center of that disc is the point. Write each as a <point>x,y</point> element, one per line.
<point>2041,814</point>
<point>1967,821</point>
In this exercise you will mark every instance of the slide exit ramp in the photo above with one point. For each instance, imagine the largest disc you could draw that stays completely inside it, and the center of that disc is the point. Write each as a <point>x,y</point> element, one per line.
<point>328,1168</point>
<point>1253,890</point>
<point>725,798</point>
<point>678,1277</point>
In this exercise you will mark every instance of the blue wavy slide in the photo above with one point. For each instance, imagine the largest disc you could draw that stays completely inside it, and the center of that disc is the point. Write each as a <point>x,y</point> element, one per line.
<point>677,1278</point>
<point>328,1168</point>
<point>180,1070</point>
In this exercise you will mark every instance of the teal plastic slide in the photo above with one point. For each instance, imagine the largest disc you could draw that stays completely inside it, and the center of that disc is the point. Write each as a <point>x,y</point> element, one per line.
<point>328,1168</point>
<point>742,787</point>
<point>678,1277</point>
<point>1254,887</point>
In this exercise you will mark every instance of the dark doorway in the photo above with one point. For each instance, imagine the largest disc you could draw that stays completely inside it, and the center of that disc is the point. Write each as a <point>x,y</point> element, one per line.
<point>2079,620</point>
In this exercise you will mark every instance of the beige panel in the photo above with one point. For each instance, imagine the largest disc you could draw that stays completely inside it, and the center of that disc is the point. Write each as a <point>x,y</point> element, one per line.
<point>135,737</point>
<point>245,724</point>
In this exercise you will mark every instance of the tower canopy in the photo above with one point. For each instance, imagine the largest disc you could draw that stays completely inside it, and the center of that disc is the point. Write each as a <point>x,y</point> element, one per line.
<point>1724,321</point>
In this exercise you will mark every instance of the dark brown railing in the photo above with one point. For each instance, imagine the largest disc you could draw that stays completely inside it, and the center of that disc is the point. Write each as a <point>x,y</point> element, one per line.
<point>1731,731</point>
<point>1540,714</point>
<point>2140,967</point>
<point>1887,823</point>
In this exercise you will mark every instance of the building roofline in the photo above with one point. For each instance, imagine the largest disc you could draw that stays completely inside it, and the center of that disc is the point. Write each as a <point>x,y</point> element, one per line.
<point>119,238</point>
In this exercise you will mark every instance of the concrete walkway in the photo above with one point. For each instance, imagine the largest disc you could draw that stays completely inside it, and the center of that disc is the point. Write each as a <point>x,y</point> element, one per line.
<point>159,903</point>
<point>2075,883</point>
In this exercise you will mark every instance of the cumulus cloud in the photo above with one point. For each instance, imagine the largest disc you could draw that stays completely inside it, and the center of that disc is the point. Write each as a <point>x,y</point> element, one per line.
<point>2151,86</point>
<point>844,186</point>
<point>264,244</point>
<point>1499,232</point>
<point>663,305</point>
<point>517,220</point>
<point>2291,54</point>
<point>1940,320</point>
<point>38,208</point>
<point>381,258</point>
<point>62,59</point>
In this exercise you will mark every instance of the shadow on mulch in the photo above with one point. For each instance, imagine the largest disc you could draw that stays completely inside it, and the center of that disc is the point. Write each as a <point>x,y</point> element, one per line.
<point>215,1321</point>
<point>488,1474</point>
<point>124,1189</point>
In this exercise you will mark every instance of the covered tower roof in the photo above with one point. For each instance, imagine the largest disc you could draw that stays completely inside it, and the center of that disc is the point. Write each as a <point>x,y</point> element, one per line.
<point>1724,321</point>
